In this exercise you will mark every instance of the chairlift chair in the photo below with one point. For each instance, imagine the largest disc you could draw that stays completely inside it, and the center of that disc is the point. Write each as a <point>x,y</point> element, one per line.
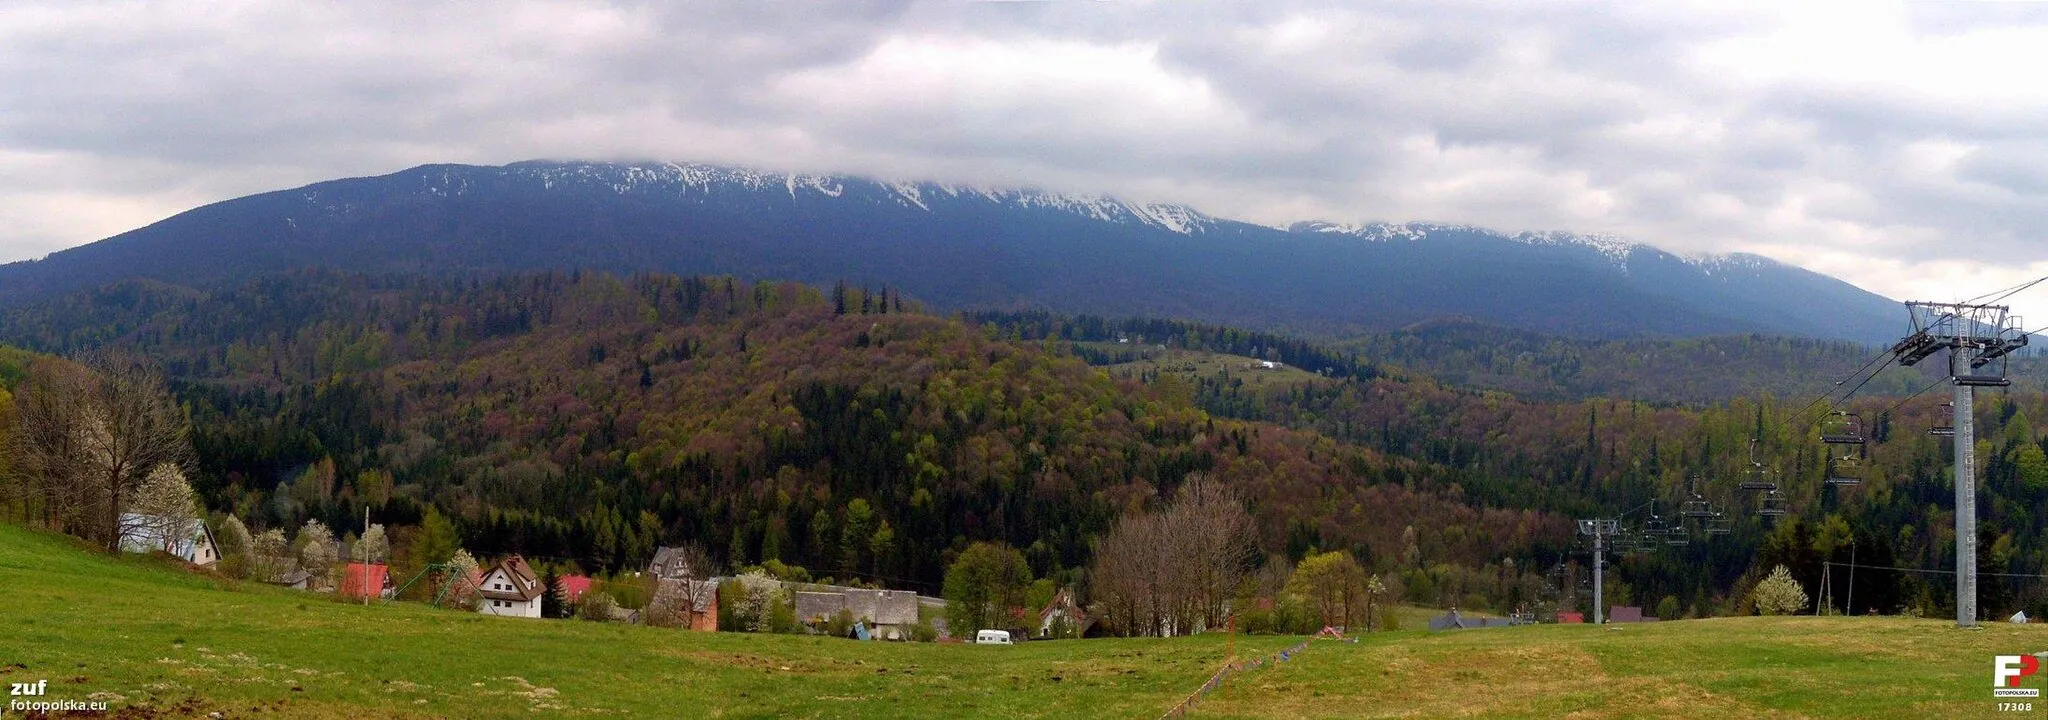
<point>1842,428</point>
<point>1678,536</point>
<point>1845,471</point>
<point>1945,424</point>
<point>1774,505</point>
<point>1756,478</point>
<point>1719,525</point>
<point>1695,506</point>
<point>1655,526</point>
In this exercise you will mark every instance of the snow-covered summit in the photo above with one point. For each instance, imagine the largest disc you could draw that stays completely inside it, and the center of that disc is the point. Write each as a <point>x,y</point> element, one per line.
<point>690,179</point>
<point>1616,249</point>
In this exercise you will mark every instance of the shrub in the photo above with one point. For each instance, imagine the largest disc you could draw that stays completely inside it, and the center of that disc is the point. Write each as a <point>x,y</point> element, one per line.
<point>1779,594</point>
<point>597,607</point>
<point>840,625</point>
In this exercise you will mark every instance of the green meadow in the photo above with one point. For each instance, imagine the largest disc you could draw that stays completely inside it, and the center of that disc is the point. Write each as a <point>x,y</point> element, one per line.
<point>153,639</point>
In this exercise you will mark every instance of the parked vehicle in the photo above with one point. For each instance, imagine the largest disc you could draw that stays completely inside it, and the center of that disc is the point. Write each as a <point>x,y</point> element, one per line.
<point>992,637</point>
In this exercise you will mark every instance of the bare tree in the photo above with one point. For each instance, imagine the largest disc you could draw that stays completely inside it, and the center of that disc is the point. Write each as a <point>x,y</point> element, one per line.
<point>684,586</point>
<point>88,435</point>
<point>1174,572</point>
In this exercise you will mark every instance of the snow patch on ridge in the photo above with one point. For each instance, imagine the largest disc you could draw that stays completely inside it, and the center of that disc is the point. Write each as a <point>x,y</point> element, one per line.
<point>690,179</point>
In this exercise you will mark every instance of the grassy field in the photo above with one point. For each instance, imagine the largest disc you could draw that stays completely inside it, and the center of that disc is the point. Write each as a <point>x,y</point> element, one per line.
<point>154,639</point>
<point>1718,668</point>
<point>144,635</point>
<point>1199,363</point>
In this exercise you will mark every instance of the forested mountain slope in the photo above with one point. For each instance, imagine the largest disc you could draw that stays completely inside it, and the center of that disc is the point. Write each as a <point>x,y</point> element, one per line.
<point>587,416</point>
<point>964,248</point>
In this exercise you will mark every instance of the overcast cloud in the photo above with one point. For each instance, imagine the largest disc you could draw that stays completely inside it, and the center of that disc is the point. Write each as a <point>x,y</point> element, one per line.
<point>1900,146</point>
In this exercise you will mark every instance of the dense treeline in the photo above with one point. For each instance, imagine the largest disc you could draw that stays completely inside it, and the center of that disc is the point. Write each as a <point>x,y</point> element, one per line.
<point>1605,454</point>
<point>590,418</point>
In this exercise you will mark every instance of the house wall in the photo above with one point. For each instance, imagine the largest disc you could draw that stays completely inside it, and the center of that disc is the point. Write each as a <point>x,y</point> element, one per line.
<point>203,553</point>
<point>510,608</point>
<point>706,621</point>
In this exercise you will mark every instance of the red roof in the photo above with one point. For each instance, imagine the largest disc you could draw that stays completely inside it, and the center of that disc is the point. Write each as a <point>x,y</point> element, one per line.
<point>359,576</point>
<point>574,586</point>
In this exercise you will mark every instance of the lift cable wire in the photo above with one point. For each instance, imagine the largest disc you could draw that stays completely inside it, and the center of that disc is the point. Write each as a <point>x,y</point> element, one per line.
<point>1925,570</point>
<point>2007,291</point>
<point>1867,365</point>
<point>1909,398</point>
<point>2016,290</point>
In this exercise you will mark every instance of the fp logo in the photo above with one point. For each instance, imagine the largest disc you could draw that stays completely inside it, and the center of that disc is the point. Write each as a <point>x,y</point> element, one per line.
<point>2008,670</point>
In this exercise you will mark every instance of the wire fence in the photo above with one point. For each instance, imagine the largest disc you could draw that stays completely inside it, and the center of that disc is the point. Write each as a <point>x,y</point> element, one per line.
<point>1180,709</point>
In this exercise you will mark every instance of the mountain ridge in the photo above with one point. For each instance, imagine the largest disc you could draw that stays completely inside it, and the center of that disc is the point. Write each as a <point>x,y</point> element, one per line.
<point>960,247</point>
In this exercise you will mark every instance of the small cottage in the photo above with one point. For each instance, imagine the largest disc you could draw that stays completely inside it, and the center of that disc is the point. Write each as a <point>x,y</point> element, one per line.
<point>695,601</point>
<point>1061,617</point>
<point>886,614</point>
<point>187,538</point>
<point>572,587</point>
<point>360,580</point>
<point>510,588</point>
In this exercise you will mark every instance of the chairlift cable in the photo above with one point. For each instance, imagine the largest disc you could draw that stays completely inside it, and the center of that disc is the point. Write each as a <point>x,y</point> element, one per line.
<point>2015,291</point>
<point>1873,361</point>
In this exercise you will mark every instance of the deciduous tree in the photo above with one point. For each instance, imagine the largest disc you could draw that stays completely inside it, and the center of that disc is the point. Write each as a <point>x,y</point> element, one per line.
<point>984,585</point>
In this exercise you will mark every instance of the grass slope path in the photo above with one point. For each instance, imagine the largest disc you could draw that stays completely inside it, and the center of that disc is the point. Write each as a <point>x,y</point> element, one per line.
<point>156,640</point>
<point>1718,668</point>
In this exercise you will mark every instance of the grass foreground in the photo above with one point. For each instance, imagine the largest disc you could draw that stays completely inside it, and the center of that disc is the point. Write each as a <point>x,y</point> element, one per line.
<point>154,640</point>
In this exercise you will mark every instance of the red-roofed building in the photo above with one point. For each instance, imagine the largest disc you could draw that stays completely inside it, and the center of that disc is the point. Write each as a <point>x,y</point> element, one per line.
<point>573,587</point>
<point>360,580</point>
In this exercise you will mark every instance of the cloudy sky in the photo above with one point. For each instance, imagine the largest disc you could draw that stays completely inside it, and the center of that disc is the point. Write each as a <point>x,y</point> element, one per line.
<point>1901,146</point>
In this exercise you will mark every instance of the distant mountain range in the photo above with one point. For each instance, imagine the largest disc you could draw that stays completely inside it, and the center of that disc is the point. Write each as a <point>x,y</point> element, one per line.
<point>965,247</point>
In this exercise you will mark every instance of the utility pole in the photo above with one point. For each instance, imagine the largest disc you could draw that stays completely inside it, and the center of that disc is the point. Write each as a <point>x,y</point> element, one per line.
<point>364,585</point>
<point>1975,336</point>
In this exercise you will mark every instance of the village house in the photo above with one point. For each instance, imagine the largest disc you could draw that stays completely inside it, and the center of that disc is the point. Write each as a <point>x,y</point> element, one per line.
<point>885,614</point>
<point>360,580</point>
<point>571,588</point>
<point>187,538</point>
<point>696,600</point>
<point>1062,618</point>
<point>510,588</point>
<point>669,564</point>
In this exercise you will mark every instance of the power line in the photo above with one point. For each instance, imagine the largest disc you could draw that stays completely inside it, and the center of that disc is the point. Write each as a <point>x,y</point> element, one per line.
<point>1935,572</point>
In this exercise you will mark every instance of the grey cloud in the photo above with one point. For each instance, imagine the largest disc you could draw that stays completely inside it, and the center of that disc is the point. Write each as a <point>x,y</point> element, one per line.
<point>1599,117</point>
